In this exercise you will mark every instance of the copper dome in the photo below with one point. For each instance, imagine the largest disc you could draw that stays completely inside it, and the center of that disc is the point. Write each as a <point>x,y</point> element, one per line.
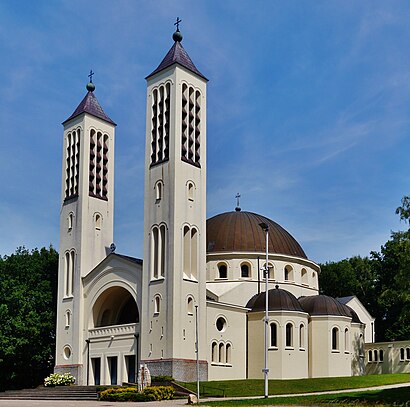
<point>278,300</point>
<point>323,305</point>
<point>239,231</point>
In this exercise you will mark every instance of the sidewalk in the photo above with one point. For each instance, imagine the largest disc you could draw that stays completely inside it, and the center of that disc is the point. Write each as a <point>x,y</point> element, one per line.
<point>165,403</point>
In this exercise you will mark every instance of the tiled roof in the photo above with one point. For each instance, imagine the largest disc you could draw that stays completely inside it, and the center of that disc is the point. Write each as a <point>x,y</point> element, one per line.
<point>240,232</point>
<point>91,106</point>
<point>177,55</point>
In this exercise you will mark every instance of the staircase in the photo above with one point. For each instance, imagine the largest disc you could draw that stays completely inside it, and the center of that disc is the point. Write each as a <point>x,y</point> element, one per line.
<point>52,393</point>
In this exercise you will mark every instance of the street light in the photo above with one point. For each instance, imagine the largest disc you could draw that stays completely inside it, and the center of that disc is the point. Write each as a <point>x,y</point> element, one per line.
<point>265,371</point>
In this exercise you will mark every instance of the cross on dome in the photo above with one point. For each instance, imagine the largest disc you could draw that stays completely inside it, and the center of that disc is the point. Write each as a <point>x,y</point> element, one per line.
<point>238,208</point>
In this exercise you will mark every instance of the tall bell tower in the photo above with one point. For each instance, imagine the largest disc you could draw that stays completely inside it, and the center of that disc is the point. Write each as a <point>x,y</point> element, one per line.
<point>174,290</point>
<point>86,222</point>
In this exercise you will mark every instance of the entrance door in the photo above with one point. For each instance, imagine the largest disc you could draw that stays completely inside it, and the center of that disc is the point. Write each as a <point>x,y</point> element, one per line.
<point>96,366</point>
<point>130,362</point>
<point>112,365</point>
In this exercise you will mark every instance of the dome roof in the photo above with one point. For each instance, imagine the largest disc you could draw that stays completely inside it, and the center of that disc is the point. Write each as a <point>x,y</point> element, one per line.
<point>239,231</point>
<point>278,300</point>
<point>323,305</point>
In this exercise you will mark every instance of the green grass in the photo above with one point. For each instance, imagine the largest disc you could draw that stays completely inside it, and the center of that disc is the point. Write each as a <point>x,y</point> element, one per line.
<point>397,397</point>
<point>253,387</point>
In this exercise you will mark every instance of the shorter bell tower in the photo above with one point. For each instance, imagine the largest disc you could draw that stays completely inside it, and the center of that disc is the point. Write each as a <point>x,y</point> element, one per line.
<point>86,222</point>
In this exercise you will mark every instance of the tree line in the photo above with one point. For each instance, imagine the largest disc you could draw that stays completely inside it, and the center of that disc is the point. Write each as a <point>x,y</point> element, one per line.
<point>381,281</point>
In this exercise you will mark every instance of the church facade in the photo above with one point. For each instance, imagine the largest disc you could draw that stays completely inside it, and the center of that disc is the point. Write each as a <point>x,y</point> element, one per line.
<point>200,292</point>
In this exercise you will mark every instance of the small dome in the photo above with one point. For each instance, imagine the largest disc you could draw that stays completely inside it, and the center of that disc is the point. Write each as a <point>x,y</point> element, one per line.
<point>239,231</point>
<point>278,300</point>
<point>323,305</point>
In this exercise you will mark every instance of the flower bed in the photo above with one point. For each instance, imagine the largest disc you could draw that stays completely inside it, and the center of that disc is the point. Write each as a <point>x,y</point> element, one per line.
<point>57,379</point>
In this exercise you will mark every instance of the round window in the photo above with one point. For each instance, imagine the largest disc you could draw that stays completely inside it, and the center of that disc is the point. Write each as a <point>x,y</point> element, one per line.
<point>221,324</point>
<point>67,352</point>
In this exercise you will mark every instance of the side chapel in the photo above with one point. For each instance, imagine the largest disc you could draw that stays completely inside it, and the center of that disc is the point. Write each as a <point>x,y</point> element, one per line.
<point>117,312</point>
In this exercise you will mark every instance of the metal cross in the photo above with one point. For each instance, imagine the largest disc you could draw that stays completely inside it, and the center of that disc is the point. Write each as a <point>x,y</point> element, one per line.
<point>91,75</point>
<point>237,196</point>
<point>177,23</point>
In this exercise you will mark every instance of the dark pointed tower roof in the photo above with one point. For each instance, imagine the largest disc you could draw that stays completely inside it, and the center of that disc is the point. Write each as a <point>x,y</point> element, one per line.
<point>177,55</point>
<point>91,106</point>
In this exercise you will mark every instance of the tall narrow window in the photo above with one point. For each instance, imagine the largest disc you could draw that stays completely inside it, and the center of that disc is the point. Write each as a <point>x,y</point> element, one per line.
<point>375,354</point>
<point>381,355</point>
<point>160,123</point>
<point>67,319</point>
<point>301,336</point>
<point>190,252</point>
<point>157,305</point>
<point>228,358</point>
<point>304,276</point>
<point>190,306</point>
<point>70,221</point>
<point>408,353</point>
<point>273,334</point>
<point>187,252</point>
<point>158,191</point>
<point>221,353</point>
<point>190,125</point>
<point>335,338</point>
<point>190,191</point>
<point>347,348</point>
<point>98,221</point>
<point>289,273</point>
<point>98,166</point>
<point>72,269</point>
<point>194,254</point>
<point>72,157</point>
<point>214,351</point>
<point>67,274</point>
<point>289,335</point>
<point>158,254</point>
<point>401,354</point>
<point>370,356</point>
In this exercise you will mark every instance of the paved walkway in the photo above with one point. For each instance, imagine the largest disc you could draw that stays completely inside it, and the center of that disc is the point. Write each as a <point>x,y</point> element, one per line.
<point>170,403</point>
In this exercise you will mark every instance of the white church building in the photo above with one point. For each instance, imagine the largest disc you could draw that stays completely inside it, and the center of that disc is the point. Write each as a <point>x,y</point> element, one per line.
<point>117,312</point>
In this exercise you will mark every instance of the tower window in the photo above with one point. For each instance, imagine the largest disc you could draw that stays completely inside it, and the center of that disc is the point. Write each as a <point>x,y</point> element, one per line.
<point>190,306</point>
<point>70,221</point>
<point>191,125</point>
<point>69,264</point>
<point>98,221</point>
<point>98,166</point>
<point>223,271</point>
<point>157,305</point>
<point>72,157</point>
<point>190,252</point>
<point>190,191</point>
<point>160,123</point>
<point>67,319</point>
<point>158,191</point>
<point>157,259</point>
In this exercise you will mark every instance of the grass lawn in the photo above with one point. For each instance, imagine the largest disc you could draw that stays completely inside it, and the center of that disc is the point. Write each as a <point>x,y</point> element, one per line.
<point>255,387</point>
<point>397,397</point>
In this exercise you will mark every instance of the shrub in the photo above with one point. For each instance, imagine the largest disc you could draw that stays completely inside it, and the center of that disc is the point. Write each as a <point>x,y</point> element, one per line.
<point>160,379</point>
<point>57,379</point>
<point>131,394</point>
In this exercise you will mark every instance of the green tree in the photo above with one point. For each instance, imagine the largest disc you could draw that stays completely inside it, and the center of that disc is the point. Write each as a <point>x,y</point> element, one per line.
<point>404,209</point>
<point>28,288</point>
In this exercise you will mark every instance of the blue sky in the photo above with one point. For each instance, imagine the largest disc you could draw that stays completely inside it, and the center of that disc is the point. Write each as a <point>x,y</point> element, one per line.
<point>308,111</point>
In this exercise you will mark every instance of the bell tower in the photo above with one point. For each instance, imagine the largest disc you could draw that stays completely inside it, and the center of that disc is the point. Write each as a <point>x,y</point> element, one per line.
<point>174,274</point>
<point>86,222</point>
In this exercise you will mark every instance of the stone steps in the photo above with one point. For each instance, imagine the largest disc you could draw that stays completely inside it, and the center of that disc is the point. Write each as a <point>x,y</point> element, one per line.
<point>52,393</point>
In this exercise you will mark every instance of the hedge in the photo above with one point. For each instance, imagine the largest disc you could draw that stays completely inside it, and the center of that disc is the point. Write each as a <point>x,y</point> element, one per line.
<point>153,393</point>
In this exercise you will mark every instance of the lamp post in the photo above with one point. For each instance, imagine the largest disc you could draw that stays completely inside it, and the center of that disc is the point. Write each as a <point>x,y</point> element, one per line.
<point>265,371</point>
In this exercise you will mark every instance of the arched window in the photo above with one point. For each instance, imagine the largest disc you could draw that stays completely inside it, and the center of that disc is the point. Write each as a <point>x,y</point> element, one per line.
<point>228,359</point>
<point>70,221</point>
<point>289,273</point>
<point>381,355</point>
<point>335,338</point>
<point>273,334</point>
<point>375,354</point>
<point>314,280</point>
<point>67,319</point>
<point>304,277</point>
<point>158,246</point>
<point>158,191</point>
<point>301,336</point>
<point>190,191</point>
<point>408,353</point>
<point>347,340</point>
<point>97,221</point>
<point>223,271</point>
<point>194,254</point>
<point>370,356</point>
<point>245,270</point>
<point>190,252</point>
<point>214,351</point>
<point>190,306</point>
<point>157,305</point>
<point>289,335</point>
<point>271,271</point>
<point>402,354</point>
<point>221,353</point>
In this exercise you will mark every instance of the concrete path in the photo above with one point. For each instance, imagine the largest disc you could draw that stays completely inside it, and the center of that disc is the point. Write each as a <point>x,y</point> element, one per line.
<point>170,403</point>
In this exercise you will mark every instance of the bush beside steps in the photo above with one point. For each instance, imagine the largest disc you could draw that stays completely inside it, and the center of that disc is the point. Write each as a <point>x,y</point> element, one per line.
<point>152,393</point>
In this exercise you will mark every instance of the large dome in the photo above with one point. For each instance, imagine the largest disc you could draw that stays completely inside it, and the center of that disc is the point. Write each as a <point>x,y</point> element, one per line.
<point>239,231</point>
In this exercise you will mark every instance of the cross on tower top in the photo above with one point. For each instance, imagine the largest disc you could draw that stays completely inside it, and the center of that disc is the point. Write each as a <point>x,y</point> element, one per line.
<point>177,23</point>
<point>91,75</point>
<point>238,208</point>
